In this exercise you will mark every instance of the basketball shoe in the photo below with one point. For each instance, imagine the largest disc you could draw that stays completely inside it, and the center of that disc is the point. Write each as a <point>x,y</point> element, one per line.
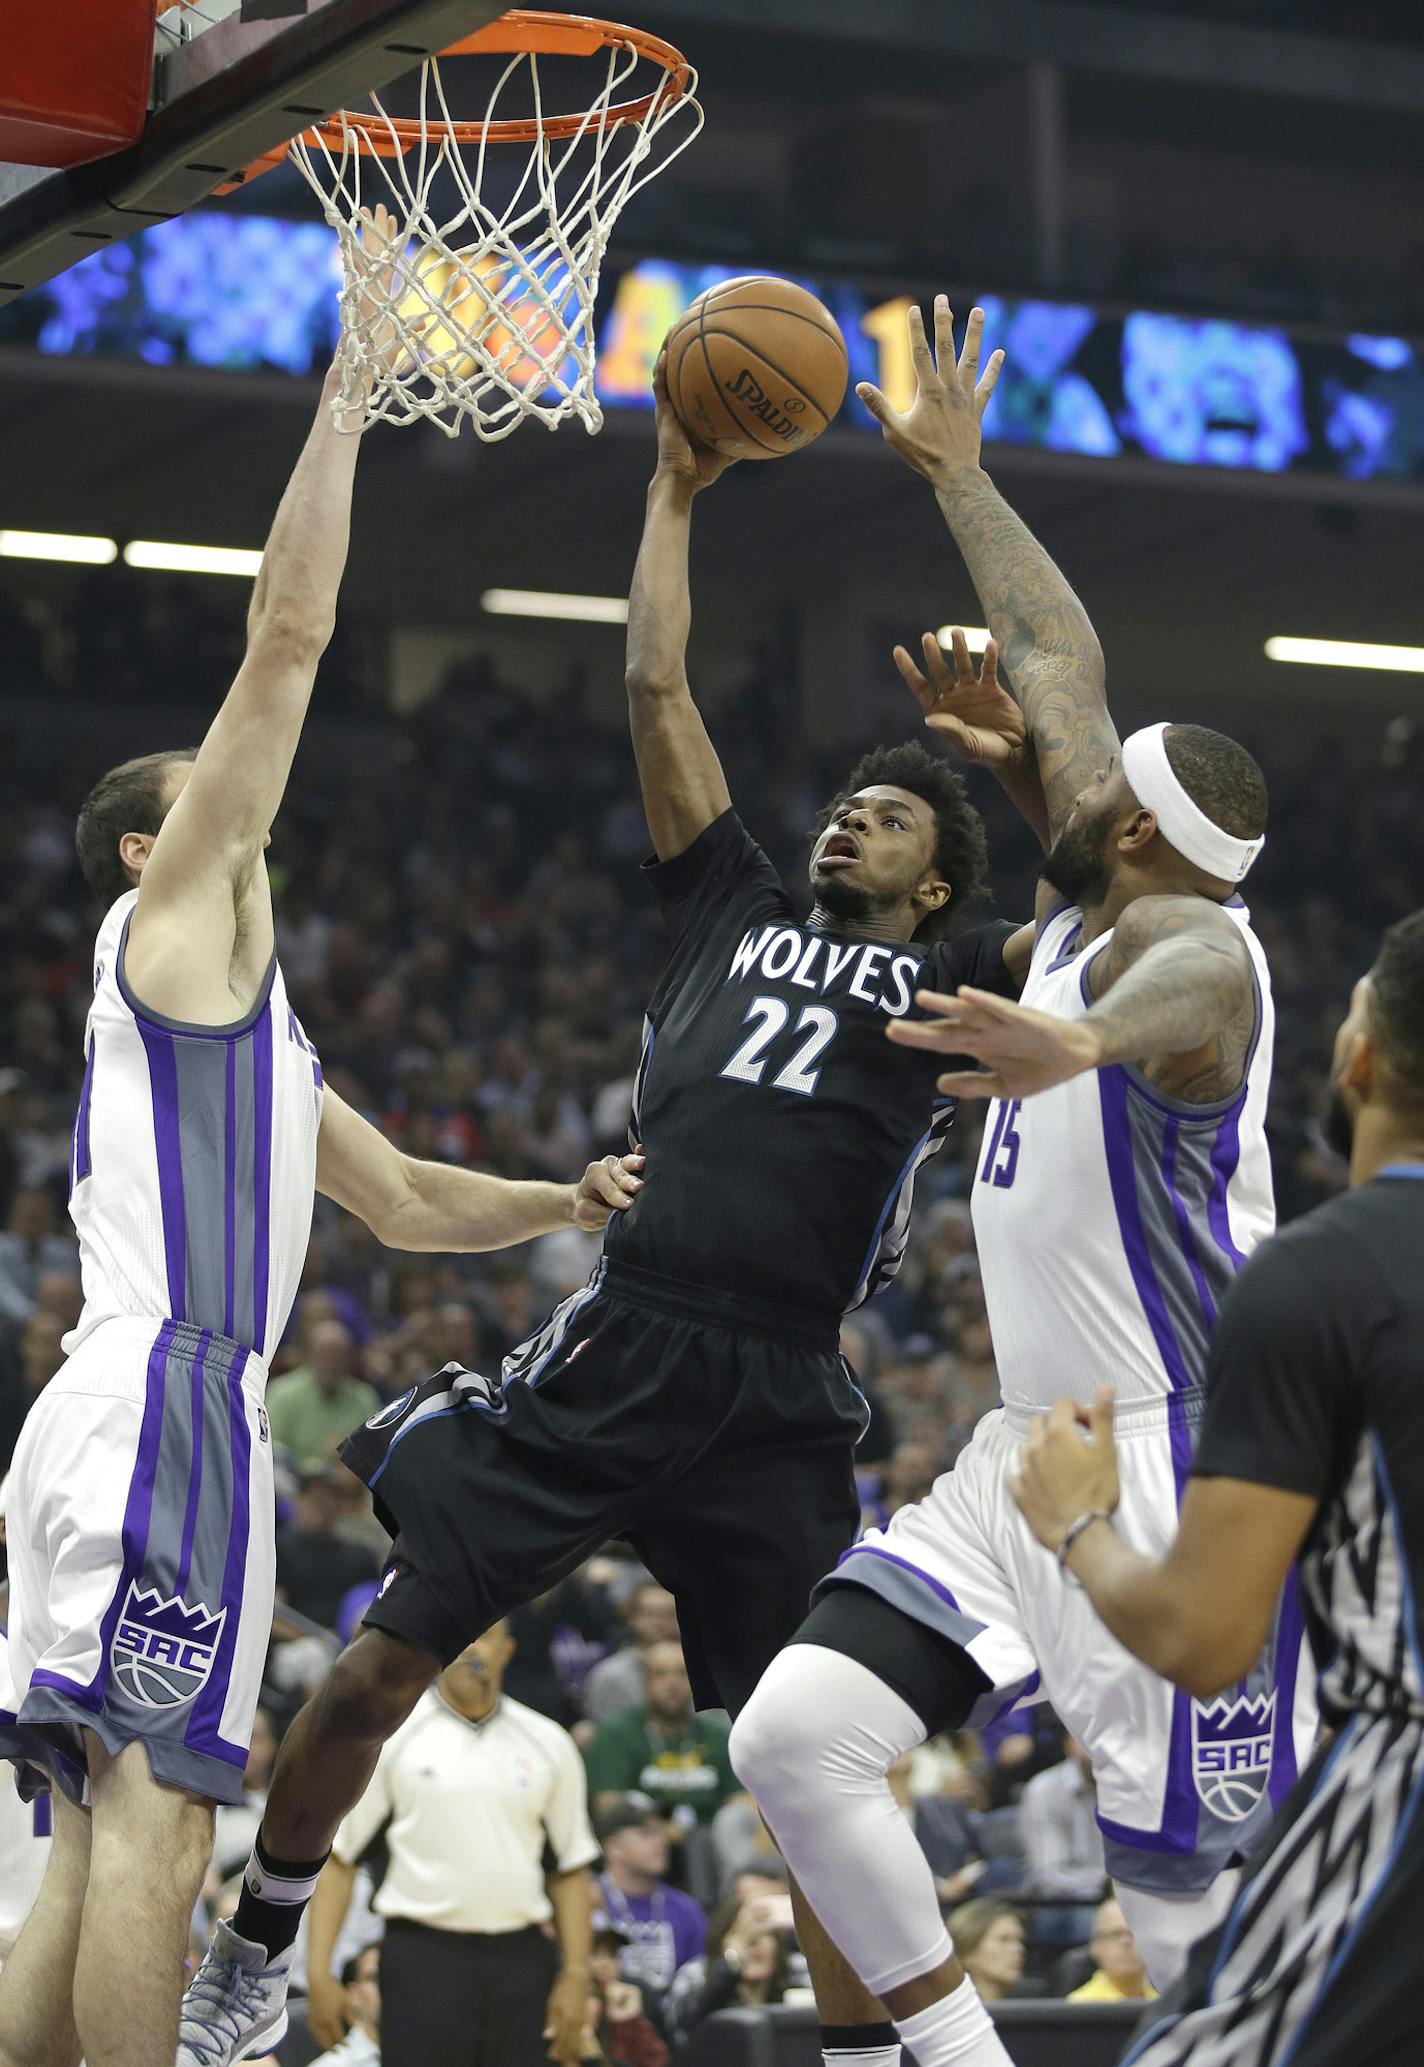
<point>236,2003</point>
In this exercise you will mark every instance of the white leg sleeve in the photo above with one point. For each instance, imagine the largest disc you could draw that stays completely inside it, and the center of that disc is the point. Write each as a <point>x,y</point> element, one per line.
<point>814,1745</point>
<point>1167,1926</point>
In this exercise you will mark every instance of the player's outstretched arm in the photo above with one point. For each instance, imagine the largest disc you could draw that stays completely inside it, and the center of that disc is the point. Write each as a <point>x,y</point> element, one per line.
<point>684,788</point>
<point>202,890</point>
<point>1046,641</point>
<point>1175,996</point>
<point>1200,1613</point>
<point>435,1207</point>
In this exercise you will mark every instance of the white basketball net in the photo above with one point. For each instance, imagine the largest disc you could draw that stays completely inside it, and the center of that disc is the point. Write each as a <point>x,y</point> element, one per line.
<point>486,317</point>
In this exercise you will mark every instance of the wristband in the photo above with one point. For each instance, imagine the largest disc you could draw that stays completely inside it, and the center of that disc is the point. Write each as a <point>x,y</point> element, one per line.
<point>1084,1521</point>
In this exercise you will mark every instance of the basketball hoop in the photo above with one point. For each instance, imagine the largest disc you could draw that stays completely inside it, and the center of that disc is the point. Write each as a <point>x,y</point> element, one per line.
<point>486,316</point>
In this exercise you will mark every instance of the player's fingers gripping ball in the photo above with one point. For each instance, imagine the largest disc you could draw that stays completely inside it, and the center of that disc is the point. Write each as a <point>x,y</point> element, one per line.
<point>756,368</point>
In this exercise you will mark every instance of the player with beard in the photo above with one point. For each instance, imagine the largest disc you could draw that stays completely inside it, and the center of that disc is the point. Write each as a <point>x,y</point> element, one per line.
<point>1124,1177</point>
<point>692,1398</point>
<point>1310,1448</point>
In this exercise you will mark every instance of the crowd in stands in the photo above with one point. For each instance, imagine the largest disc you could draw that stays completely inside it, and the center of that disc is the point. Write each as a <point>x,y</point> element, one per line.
<point>471,958</point>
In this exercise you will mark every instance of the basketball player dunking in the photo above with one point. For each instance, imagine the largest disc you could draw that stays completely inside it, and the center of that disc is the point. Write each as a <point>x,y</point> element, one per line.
<point>692,1398</point>
<point>1124,1176</point>
<point>140,1519</point>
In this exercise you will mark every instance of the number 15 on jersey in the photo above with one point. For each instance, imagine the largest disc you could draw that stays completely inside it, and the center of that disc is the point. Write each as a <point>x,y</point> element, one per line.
<point>1001,1156</point>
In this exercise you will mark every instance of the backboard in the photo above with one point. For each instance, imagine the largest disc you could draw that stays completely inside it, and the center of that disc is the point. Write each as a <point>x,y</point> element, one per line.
<point>232,79</point>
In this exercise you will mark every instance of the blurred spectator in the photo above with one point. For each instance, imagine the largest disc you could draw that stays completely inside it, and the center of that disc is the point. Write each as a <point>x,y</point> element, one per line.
<point>317,1405</point>
<point>663,1749</point>
<point>559,1636</point>
<point>660,1928</point>
<point>361,2007</point>
<point>946,1833</point>
<point>747,1961</point>
<point>25,1374</point>
<point>618,1681</point>
<point>619,2012</point>
<point>236,1823</point>
<point>30,1246</point>
<point>1118,1974</point>
<point>988,1936</point>
<point>1026,1741</point>
<point>315,1567</point>
<point>1062,1841</point>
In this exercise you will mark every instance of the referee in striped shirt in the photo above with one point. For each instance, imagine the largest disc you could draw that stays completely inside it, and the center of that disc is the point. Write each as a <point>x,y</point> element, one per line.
<point>487,1896</point>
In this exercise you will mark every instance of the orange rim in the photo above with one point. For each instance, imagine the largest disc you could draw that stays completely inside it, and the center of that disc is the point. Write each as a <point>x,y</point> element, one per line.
<point>522,29</point>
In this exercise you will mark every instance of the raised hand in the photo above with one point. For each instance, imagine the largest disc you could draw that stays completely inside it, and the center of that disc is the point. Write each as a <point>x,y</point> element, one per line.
<point>678,451</point>
<point>1023,1051</point>
<point>940,434</point>
<point>973,712</point>
<point>608,1187</point>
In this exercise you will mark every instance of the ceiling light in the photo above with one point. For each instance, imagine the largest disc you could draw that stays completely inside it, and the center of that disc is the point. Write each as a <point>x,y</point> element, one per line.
<point>544,603</point>
<point>1404,660</point>
<point>57,545</point>
<point>191,559</point>
<point>976,636</point>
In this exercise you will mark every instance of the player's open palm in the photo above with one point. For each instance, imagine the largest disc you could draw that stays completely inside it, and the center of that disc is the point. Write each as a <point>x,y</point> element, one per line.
<point>941,432</point>
<point>973,712</point>
<point>1022,1052</point>
<point>678,451</point>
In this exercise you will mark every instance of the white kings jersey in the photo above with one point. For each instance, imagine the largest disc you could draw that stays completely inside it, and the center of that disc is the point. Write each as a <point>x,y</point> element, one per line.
<point>1110,1217</point>
<point>193,1167</point>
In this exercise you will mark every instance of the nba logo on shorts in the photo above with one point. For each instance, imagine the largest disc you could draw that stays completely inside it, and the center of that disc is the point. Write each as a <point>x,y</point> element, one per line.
<point>1231,1752</point>
<point>163,1650</point>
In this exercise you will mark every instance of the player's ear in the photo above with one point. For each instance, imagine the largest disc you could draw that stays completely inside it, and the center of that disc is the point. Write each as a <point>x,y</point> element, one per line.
<point>134,850</point>
<point>1137,831</point>
<point>1357,1072</point>
<point>932,893</point>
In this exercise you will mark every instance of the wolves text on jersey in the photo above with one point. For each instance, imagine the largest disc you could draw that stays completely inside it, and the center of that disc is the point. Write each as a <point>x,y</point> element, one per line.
<point>875,973</point>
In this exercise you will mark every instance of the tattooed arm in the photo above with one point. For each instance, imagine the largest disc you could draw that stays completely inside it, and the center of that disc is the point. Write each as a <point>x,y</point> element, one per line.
<point>1046,641</point>
<point>1175,996</point>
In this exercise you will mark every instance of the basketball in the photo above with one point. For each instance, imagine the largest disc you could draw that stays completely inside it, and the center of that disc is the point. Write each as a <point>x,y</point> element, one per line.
<point>756,367</point>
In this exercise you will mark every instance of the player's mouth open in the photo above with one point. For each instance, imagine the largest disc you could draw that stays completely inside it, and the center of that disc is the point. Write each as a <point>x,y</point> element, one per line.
<point>840,847</point>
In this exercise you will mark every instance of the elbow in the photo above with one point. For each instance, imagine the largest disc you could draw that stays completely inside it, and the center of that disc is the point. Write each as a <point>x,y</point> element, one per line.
<point>652,686</point>
<point>1208,1663</point>
<point>299,637</point>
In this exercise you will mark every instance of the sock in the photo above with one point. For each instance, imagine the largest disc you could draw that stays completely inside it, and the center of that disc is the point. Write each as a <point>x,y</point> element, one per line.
<point>274,1894</point>
<point>955,2032</point>
<point>860,2045</point>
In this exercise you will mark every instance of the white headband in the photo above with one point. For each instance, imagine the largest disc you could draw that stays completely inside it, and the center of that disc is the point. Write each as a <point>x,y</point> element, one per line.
<point>1198,839</point>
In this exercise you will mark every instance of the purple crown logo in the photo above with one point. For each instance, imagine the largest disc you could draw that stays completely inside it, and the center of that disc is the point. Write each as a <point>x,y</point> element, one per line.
<point>1232,1742</point>
<point>172,1617</point>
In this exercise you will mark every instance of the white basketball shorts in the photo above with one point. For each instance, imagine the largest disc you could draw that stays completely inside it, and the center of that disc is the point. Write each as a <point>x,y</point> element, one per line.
<point>1183,1786</point>
<point>142,1558</point>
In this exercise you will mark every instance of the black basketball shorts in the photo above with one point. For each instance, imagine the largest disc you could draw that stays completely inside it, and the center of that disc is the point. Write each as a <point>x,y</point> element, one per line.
<point>713,1434</point>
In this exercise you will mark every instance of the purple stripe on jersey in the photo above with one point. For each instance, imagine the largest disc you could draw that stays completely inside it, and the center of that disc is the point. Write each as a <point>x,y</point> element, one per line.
<point>80,1164</point>
<point>163,1083</point>
<point>934,1585</point>
<point>1179,1435</point>
<point>195,1467</point>
<point>1290,1634</point>
<point>204,1731</point>
<point>261,1175</point>
<point>137,1510</point>
<point>1184,1223</point>
<point>1225,1155</point>
<point>230,1192</point>
<point>1122,1176</point>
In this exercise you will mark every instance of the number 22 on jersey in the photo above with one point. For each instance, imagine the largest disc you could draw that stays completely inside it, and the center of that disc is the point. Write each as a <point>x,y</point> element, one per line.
<point>767,1018</point>
<point>1001,1157</point>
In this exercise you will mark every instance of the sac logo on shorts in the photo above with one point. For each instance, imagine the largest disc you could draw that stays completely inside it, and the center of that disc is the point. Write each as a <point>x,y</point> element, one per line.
<point>1231,1752</point>
<point>163,1650</point>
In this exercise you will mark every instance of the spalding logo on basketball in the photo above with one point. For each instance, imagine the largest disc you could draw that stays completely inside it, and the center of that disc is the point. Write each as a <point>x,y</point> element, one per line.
<point>163,1650</point>
<point>1231,1752</point>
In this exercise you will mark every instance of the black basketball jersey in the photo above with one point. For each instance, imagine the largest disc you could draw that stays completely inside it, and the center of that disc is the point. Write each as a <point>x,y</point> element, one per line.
<point>1316,1385</point>
<point>783,1130</point>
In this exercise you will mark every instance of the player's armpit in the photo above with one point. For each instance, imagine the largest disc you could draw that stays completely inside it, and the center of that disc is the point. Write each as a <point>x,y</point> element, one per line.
<point>1018,953</point>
